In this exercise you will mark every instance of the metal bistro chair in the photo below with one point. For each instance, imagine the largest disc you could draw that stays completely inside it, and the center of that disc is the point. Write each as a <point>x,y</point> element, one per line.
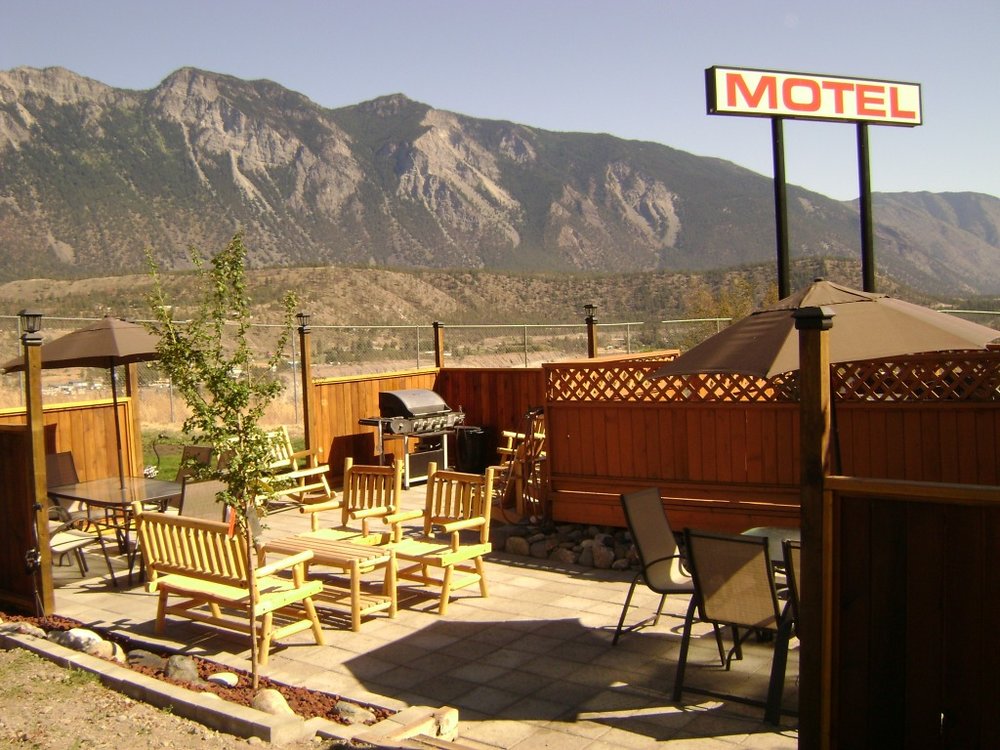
<point>66,538</point>
<point>734,585</point>
<point>659,556</point>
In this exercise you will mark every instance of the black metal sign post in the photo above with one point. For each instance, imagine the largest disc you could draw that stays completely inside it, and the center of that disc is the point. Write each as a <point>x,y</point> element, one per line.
<point>780,208</point>
<point>865,211</point>
<point>782,95</point>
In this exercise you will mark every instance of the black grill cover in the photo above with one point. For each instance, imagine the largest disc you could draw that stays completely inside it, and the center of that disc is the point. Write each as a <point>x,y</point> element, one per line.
<point>413,402</point>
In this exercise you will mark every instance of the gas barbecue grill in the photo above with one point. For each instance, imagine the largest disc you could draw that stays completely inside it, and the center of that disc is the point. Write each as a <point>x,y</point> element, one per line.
<point>422,421</point>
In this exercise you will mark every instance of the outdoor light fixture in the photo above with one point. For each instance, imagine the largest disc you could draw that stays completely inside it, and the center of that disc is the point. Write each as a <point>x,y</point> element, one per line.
<point>303,319</point>
<point>31,321</point>
<point>590,308</point>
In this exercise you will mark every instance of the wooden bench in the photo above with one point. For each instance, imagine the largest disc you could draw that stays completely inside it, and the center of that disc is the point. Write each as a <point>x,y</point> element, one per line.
<point>299,487</point>
<point>199,560</point>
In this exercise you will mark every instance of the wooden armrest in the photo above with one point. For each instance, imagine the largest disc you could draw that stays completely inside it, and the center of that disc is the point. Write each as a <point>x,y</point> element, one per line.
<point>369,513</point>
<point>406,515</point>
<point>318,507</point>
<point>468,523</point>
<point>284,563</point>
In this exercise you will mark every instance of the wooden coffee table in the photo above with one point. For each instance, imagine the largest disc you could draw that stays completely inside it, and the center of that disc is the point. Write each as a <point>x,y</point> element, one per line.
<point>354,560</point>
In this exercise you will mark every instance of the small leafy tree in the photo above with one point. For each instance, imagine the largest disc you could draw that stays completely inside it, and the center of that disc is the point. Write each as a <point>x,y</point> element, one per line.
<point>213,367</point>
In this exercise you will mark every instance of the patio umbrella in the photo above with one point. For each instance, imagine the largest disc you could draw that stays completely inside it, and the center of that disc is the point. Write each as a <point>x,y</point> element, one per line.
<point>106,344</point>
<point>866,326</point>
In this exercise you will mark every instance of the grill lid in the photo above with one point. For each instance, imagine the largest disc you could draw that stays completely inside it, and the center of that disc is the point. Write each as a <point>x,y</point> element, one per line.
<point>412,402</point>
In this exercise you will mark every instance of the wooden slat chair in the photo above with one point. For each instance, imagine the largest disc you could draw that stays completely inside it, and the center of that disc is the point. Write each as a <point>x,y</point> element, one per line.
<point>734,585</point>
<point>283,454</point>
<point>456,502</point>
<point>297,478</point>
<point>199,561</point>
<point>369,492</point>
<point>519,482</point>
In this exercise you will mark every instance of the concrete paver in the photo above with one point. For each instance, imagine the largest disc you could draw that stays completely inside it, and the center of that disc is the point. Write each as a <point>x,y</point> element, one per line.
<point>531,666</point>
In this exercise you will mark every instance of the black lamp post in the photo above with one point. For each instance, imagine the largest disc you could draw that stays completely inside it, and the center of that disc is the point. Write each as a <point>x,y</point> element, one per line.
<point>31,324</point>
<point>305,357</point>
<point>591,322</point>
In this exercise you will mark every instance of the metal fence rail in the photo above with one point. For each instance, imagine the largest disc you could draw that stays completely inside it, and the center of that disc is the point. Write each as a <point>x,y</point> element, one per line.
<point>340,350</point>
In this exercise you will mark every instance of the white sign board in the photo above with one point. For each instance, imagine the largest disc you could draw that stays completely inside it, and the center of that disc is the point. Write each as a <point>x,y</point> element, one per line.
<point>771,93</point>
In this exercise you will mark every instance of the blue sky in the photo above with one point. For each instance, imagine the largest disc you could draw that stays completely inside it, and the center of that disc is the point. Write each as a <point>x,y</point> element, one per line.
<point>632,68</point>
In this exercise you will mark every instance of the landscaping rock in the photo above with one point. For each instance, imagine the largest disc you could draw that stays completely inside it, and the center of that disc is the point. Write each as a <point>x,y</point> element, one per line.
<point>354,714</point>
<point>517,545</point>
<point>563,555</point>
<point>227,679</point>
<point>22,628</point>
<point>604,557</point>
<point>180,667</point>
<point>272,702</point>
<point>145,658</point>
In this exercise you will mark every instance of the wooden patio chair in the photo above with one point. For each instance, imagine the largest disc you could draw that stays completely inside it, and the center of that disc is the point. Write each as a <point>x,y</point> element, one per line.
<point>659,556</point>
<point>520,481</point>
<point>456,502</point>
<point>369,492</point>
<point>284,457</point>
<point>734,585</point>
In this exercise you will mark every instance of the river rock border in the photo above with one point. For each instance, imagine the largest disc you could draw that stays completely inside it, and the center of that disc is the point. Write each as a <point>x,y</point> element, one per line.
<point>591,546</point>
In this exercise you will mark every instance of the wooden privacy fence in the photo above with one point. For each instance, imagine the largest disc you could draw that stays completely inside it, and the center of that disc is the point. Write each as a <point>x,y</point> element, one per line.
<point>338,404</point>
<point>493,398</point>
<point>915,599</point>
<point>723,449</point>
<point>87,428</point>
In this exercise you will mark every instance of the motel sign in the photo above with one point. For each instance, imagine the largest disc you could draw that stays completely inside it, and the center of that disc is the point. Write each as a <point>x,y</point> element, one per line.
<point>733,91</point>
<point>781,95</point>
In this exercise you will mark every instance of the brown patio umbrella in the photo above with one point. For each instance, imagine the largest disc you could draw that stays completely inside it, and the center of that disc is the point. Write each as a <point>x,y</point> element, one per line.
<point>866,326</point>
<point>107,343</point>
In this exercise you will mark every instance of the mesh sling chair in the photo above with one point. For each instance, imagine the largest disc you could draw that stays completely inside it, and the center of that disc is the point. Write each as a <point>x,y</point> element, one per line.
<point>200,500</point>
<point>793,570</point>
<point>734,585</point>
<point>659,556</point>
<point>67,538</point>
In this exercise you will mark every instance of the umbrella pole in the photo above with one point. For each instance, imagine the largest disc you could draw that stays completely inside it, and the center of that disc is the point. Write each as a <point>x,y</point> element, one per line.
<point>118,429</point>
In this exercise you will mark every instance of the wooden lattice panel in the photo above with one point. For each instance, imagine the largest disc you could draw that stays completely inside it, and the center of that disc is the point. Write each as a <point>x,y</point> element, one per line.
<point>631,381</point>
<point>965,376</point>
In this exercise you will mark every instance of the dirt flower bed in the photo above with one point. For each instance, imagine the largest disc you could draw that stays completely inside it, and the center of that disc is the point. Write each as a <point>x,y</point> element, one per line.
<point>304,702</point>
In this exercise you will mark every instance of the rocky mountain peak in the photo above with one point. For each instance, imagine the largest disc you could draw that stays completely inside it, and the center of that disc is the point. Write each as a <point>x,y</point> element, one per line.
<point>88,184</point>
<point>57,84</point>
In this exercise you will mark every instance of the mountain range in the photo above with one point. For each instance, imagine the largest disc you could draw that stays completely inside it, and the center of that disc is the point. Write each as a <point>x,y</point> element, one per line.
<point>92,176</point>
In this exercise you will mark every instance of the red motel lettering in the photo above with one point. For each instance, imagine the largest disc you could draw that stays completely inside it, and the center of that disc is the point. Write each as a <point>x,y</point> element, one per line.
<point>820,97</point>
